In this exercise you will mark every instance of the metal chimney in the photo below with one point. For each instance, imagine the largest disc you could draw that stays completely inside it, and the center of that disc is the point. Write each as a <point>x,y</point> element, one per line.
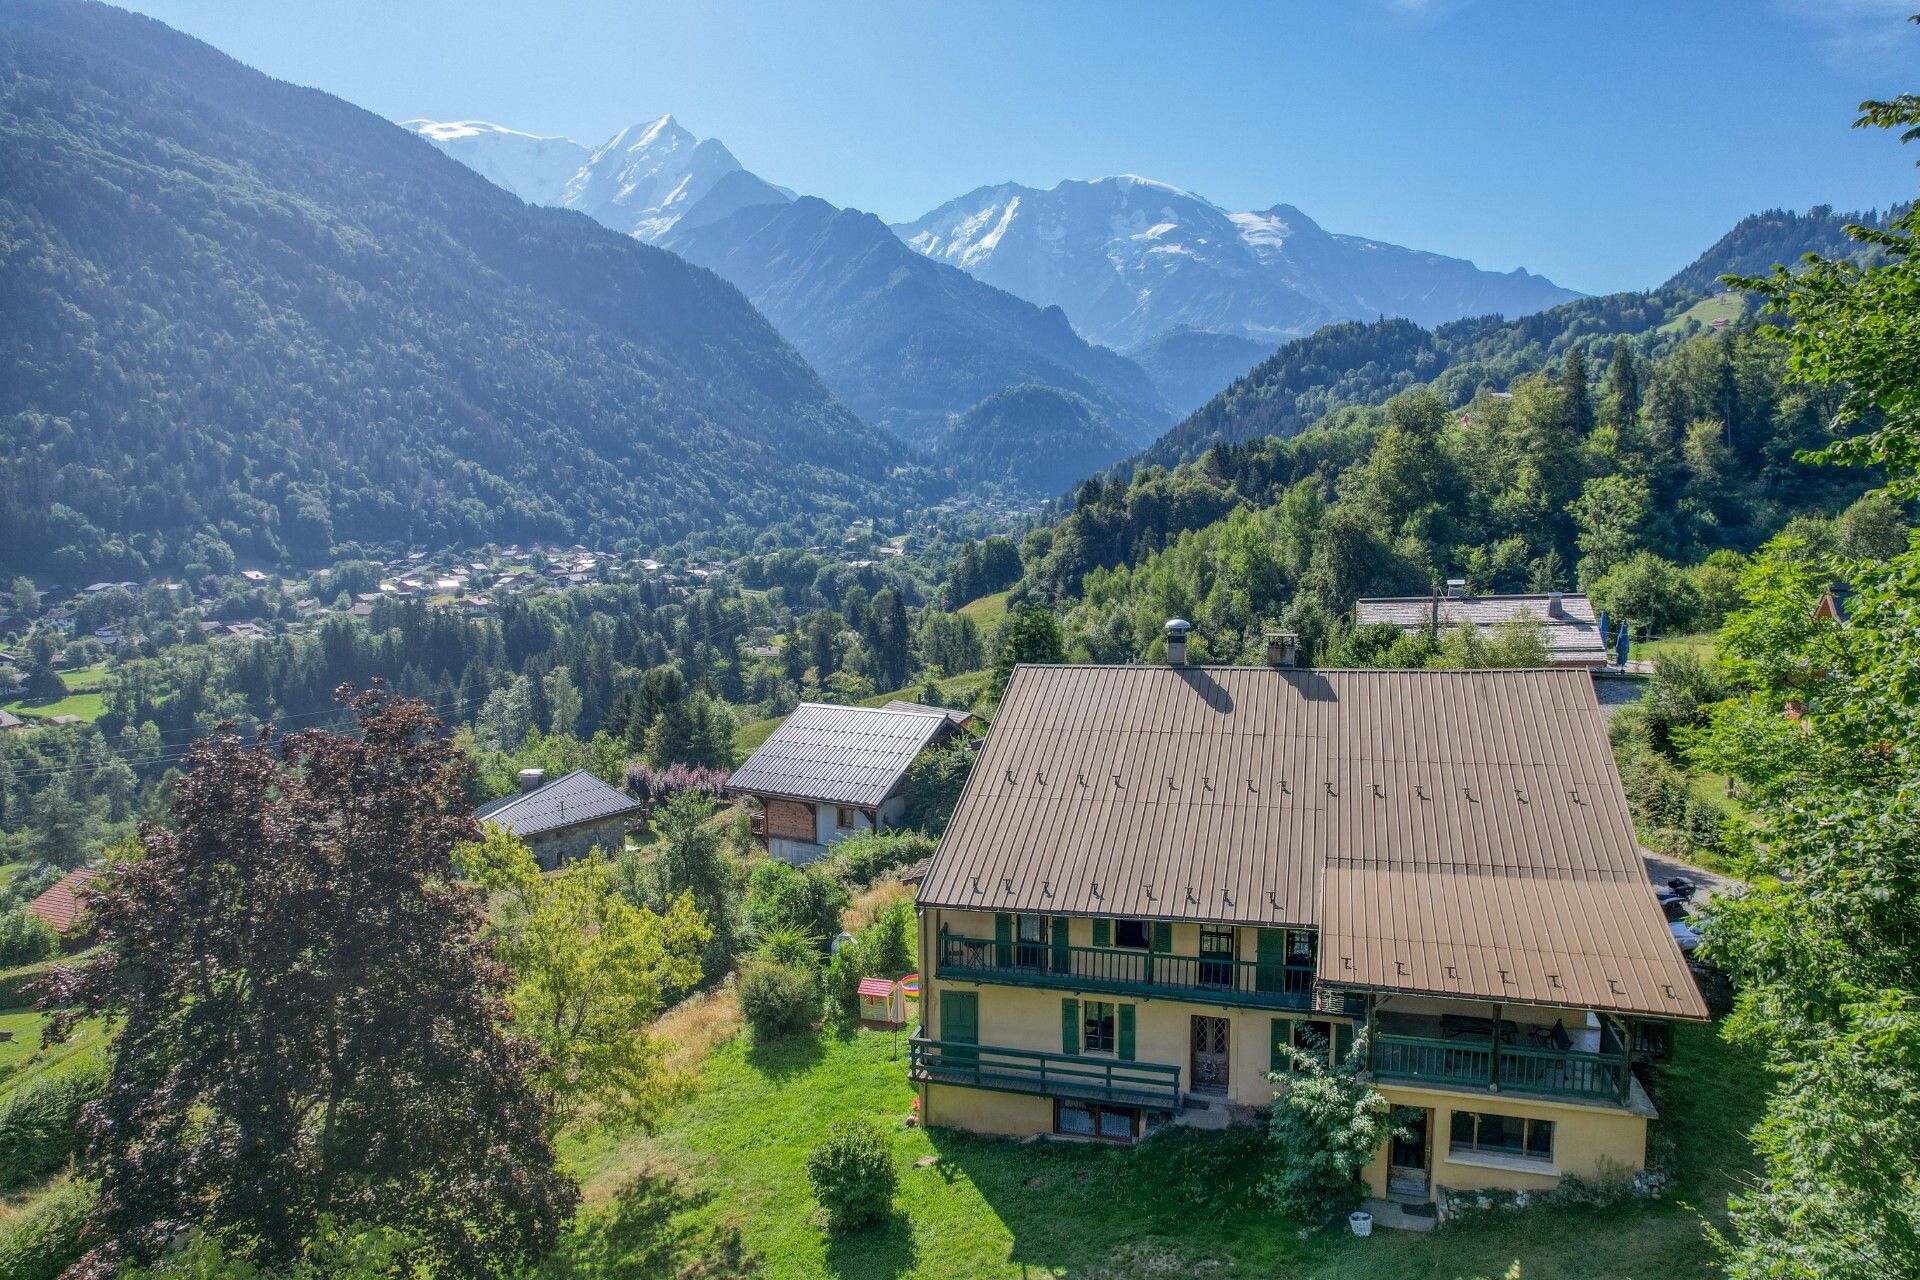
<point>532,779</point>
<point>1283,648</point>
<point>1177,629</point>
<point>1456,588</point>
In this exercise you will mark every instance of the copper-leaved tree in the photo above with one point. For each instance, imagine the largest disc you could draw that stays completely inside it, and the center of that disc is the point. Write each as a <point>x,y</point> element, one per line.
<point>309,1023</point>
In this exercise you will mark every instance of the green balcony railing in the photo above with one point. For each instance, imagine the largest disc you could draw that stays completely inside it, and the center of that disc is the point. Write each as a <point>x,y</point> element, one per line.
<point>1056,1075</point>
<point>1471,1064</point>
<point>1120,971</point>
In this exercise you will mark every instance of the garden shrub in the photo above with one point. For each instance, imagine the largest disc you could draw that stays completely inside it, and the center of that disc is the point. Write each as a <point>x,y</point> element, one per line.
<point>1324,1129</point>
<point>25,938</point>
<point>777,999</point>
<point>852,1174</point>
<point>860,860</point>
<point>45,1240</point>
<point>40,1122</point>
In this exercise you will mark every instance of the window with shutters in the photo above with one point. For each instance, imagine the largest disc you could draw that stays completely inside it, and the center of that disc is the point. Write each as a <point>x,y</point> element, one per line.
<point>1099,1027</point>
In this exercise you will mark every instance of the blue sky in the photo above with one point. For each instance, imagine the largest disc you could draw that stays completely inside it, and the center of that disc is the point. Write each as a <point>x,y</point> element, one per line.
<point>1604,145</point>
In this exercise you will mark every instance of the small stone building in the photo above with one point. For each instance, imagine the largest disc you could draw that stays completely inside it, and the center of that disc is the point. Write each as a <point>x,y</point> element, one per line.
<point>563,819</point>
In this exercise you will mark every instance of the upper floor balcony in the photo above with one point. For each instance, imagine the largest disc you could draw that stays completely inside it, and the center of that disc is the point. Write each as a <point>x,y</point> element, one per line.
<point>1213,978</point>
<point>1496,1049</point>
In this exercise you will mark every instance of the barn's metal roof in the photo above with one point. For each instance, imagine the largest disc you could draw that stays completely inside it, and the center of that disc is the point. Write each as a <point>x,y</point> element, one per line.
<point>840,755</point>
<point>1461,832</point>
<point>566,801</point>
<point>1572,632</point>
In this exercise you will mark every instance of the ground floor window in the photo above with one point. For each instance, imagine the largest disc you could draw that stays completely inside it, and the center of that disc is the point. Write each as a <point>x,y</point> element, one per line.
<point>1095,1120</point>
<point>1502,1135</point>
<point>1097,1028</point>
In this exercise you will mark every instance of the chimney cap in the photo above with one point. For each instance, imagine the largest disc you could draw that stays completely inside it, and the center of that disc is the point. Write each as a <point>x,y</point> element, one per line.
<point>532,779</point>
<point>1178,627</point>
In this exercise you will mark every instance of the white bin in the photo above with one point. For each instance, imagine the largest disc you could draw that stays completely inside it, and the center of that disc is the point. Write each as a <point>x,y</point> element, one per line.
<point>1361,1222</point>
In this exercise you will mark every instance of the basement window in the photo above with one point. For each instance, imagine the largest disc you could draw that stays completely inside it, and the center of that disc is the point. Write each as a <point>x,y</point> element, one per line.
<point>1092,1120</point>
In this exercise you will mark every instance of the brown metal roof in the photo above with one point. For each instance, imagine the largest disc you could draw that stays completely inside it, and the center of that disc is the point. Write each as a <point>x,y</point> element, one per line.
<point>1464,823</point>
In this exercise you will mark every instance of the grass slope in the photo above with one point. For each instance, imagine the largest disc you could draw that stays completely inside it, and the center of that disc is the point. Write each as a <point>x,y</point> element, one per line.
<point>721,1188</point>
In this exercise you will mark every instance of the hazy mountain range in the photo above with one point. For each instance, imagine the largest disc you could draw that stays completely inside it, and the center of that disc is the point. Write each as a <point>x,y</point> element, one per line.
<point>1196,294</point>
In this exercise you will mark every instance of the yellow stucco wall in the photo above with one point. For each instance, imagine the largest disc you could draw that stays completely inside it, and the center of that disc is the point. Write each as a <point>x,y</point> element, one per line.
<point>1013,1115</point>
<point>1014,1017</point>
<point>1588,1141</point>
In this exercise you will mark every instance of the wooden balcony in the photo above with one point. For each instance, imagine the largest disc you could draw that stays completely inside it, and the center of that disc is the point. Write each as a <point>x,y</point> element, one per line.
<point>1480,1064</point>
<point>1126,972</point>
<point>1055,1075</point>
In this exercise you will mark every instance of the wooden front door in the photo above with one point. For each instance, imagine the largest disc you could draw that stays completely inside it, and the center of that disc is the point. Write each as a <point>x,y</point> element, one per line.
<point>1209,1071</point>
<point>1408,1156</point>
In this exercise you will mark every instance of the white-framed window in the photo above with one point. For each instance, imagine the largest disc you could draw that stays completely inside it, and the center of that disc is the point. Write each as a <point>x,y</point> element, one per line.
<point>1098,1027</point>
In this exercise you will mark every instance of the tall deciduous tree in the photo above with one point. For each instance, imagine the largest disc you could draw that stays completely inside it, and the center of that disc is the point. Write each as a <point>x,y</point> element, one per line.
<point>1824,943</point>
<point>591,972</point>
<point>310,1024</point>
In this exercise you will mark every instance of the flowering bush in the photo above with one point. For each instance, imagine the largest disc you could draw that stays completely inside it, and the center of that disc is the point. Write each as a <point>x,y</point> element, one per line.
<point>651,786</point>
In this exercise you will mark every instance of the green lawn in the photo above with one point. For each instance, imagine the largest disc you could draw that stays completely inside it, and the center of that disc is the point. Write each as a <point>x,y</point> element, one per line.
<point>1703,646</point>
<point>723,1178</point>
<point>986,613</point>
<point>1728,306</point>
<point>84,697</point>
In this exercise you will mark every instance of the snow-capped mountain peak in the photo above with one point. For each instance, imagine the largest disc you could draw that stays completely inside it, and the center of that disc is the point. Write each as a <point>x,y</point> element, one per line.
<point>1129,258</point>
<point>535,168</point>
<point>643,180</point>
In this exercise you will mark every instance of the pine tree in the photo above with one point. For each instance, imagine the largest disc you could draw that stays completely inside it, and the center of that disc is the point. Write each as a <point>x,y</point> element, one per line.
<point>1578,395</point>
<point>1623,381</point>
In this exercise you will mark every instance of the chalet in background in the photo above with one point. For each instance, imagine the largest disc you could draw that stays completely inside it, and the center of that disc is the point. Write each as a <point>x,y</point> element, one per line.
<point>831,772</point>
<point>1573,633</point>
<point>1161,879</point>
<point>563,819</point>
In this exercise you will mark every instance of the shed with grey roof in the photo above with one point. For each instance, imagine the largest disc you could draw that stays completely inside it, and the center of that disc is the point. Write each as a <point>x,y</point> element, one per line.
<point>830,772</point>
<point>1572,631</point>
<point>563,819</point>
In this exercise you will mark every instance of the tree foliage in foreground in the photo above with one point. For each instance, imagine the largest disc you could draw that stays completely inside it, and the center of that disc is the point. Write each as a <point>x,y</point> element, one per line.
<point>310,1025</point>
<point>591,973</point>
<point>1825,942</point>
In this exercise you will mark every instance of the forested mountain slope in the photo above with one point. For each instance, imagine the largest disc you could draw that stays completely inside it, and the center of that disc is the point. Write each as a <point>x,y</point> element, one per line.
<point>243,310</point>
<point>907,341</point>
<point>1038,440</point>
<point>1760,240</point>
<point>1188,366</point>
<point>1363,363</point>
<point>1609,476</point>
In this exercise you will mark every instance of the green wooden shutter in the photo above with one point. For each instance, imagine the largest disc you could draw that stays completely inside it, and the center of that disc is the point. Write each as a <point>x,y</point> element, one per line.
<point>1342,1041</point>
<point>1003,940</point>
<point>1126,1033</point>
<point>1069,1026</point>
<point>1277,1059</point>
<point>1270,955</point>
<point>1062,958</point>
<point>1103,933</point>
<point>1162,936</point>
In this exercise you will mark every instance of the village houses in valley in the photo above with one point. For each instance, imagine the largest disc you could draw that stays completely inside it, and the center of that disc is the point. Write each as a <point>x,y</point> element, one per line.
<point>1162,878</point>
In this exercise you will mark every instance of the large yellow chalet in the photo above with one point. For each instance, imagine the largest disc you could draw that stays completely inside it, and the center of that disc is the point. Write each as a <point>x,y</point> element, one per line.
<point>1159,877</point>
